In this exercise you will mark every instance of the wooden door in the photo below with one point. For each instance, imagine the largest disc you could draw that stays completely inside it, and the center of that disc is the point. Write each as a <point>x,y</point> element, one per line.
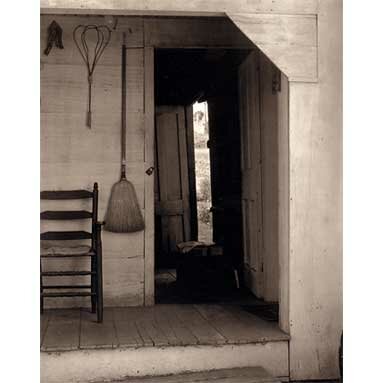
<point>172,203</point>
<point>249,101</point>
<point>225,163</point>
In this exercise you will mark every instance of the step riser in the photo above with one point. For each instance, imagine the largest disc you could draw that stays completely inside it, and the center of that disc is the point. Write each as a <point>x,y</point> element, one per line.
<point>113,364</point>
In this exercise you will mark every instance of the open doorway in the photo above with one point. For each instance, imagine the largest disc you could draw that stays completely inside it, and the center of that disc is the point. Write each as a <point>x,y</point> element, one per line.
<point>202,171</point>
<point>217,154</point>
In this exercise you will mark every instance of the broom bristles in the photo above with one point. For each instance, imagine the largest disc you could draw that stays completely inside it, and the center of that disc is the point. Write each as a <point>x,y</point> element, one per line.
<point>123,214</point>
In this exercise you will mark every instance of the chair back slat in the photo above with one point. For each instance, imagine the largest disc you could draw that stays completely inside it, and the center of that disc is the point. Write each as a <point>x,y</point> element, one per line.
<point>65,214</point>
<point>65,235</point>
<point>66,194</point>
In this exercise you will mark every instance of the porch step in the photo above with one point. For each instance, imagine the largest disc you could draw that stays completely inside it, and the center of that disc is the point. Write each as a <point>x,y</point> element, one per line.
<point>232,375</point>
<point>135,365</point>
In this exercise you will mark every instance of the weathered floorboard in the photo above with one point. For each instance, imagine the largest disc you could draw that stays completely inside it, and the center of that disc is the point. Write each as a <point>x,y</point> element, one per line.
<point>44,320</point>
<point>258,329</point>
<point>176,331</point>
<point>200,328</point>
<point>98,335</point>
<point>238,326</point>
<point>159,326</point>
<point>128,335</point>
<point>63,330</point>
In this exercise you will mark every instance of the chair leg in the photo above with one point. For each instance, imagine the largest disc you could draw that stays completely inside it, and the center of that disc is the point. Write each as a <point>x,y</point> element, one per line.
<point>100,304</point>
<point>236,278</point>
<point>41,291</point>
<point>93,285</point>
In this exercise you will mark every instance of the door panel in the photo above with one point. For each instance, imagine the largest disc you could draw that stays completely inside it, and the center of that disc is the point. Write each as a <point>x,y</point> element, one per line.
<point>251,173</point>
<point>270,157</point>
<point>172,203</point>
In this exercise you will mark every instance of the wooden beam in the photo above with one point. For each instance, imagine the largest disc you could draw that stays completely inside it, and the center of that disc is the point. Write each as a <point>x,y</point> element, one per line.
<point>289,41</point>
<point>194,33</point>
<point>177,7</point>
<point>283,203</point>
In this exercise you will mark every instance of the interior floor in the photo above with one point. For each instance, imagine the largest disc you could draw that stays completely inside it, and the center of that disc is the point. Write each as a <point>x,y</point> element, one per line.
<point>168,293</point>
<point>159,325</point>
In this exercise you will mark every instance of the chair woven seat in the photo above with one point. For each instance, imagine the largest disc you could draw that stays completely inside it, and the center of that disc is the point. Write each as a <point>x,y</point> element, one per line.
<point>65,250</point>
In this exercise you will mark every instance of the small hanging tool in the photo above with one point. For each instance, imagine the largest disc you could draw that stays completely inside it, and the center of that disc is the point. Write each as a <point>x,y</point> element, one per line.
<point>55,33</point>
<point>91,56</point>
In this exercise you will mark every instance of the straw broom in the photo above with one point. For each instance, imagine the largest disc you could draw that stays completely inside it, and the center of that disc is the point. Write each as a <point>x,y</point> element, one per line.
<point>123,214</point>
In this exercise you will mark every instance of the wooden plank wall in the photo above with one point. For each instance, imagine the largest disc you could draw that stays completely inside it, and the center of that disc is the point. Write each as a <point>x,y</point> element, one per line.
<point>74,156</point>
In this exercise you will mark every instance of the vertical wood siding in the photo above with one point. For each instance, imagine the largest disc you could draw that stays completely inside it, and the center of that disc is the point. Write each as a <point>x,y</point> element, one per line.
<point>73,156</point>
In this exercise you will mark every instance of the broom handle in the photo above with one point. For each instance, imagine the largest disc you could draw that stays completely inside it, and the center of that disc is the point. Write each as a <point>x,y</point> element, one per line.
<point>123,111</point>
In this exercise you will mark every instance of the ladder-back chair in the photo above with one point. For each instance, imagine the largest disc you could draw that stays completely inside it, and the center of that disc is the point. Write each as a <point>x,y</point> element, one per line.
<point>93,250</point>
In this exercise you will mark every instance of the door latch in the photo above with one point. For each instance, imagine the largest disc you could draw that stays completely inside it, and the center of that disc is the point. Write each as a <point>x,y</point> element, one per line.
<point>149,171</point>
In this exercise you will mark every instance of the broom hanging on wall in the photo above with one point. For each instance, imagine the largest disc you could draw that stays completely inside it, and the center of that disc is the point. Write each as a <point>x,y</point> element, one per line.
<point>123,214</point>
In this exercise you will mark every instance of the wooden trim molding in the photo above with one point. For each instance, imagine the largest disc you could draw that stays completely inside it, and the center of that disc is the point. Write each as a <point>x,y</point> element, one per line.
<point>289,41</point>
<point>285,31</point>
<point>177,7</point>
<point>149,179</point>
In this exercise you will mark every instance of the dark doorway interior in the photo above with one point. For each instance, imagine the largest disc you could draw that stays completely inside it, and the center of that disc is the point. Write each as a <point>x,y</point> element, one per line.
<point>183,77</point>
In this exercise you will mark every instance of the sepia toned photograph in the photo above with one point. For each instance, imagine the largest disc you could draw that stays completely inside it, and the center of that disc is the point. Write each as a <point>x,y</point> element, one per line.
<point>191,191</point>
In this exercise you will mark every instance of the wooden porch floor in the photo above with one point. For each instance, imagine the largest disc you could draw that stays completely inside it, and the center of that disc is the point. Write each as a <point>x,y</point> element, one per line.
<point>159,325</point>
